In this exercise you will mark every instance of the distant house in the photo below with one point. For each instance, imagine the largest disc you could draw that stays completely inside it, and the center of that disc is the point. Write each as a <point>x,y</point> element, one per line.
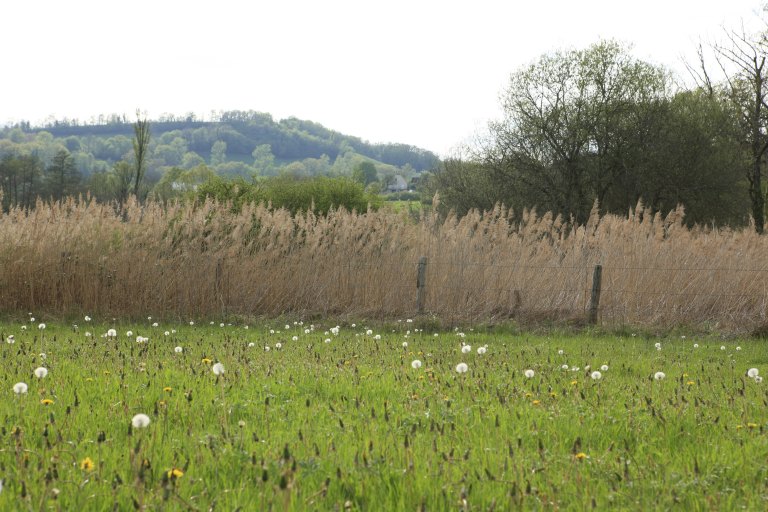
<point>398,184</point>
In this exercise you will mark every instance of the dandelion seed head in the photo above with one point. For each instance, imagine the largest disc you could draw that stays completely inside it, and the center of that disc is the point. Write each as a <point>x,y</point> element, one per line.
<point>295,338</point>
<point>41,326</point>
<point>41,372</point>
<point>659,375</point>
<point>695,345</point>
<point>462,367</point>
<point>466,349</point>
<point>596,375</point>
<point>753,372</point>
<point>416,364</point>
<point>529,373</point>
<point>20,388</point>
<point>278,345</point>
<point>218,369</point>
<point>604,368</point>
<point>178,350</point>
<point>481,350</point>
<point>758,379</point>
<point>140,421</point>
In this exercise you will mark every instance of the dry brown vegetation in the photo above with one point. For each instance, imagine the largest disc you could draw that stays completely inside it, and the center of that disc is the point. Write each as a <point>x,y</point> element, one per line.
<point>193,261</point>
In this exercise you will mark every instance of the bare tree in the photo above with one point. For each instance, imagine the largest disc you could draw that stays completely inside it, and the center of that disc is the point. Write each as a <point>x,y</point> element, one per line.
<point>140,149</point>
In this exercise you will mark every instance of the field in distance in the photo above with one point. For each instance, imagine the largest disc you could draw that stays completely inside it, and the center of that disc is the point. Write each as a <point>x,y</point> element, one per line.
<point>153,415</point>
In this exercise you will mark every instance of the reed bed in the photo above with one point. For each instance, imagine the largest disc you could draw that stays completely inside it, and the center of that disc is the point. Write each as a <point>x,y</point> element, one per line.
<point>204,260</point>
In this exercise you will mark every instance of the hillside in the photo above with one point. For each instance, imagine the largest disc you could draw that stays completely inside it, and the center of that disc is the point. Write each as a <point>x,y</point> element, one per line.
<point>234,143</point>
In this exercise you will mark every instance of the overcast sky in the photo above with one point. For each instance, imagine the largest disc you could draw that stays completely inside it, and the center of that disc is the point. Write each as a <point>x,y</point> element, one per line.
<point>427,73</point>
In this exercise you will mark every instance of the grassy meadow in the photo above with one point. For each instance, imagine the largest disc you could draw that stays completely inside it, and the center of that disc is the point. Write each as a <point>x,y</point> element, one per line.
<point>305,417</point>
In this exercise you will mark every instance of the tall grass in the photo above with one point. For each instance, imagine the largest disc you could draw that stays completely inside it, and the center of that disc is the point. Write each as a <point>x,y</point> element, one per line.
<point>203,259</point>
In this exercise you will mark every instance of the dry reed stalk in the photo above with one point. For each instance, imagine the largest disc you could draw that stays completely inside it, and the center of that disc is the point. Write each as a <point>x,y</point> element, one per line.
<point>203,260</point>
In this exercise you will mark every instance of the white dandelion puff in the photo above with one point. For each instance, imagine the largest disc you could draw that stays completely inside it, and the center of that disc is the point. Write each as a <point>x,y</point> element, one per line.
<point>659,375</point>
<point>529,373</point>
<point>415,364</point>
<point>753,372</point>
<point>218,369</point>
<point>20,388</point>
<point>596,375</point>
<point>178,350</point>
<point>466,349</point>
<point>41,372</point>
<point>462,368</point>
<point>604,368</point>
<point>140,421</point>
<point>481,350</point>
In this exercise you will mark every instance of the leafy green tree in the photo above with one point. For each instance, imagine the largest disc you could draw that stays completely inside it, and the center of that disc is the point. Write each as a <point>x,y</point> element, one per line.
<point>62,178</point>
<point>263,160</point>
<point>218,153</point>
<point>20,179</point>
<point>365,173</point>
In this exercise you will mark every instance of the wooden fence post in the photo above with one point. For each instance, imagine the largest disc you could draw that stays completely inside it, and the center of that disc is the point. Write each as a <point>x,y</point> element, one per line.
<point>421,283</point>
<point>594,302</point>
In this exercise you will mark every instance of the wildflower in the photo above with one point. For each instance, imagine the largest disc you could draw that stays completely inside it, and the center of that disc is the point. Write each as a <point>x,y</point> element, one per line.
<point>155,324</point>
<point>751,425</point>
<point>307,331</point>
<point>722,347</point>
<point>436,335</point>
<point>141,339</point>
<point>241,423</point>
<point>41,326</point>
<point>178,350</point>
<point>221,324</point>
<point>111,333</point>
<point>327,340</point>
<point>218,369</point>
<point>758,379</point>
<point>695,345</point>
<point>140,421</point>
<point>574,382</point>
<point>657,345</point>
<point>377,337</point>
<point>167,389</point>
<point>10,339</point>
<point>690,383</point>
<point>266,348</point>
<point>416,364</point>
<point>278,345</point>
<point>466,349</point>
<point>87,318</point>
<point>86,464</point>
<point>659,375</point>
<point>335,330</point>
<point>46,401</point>
<point>536,402</point>
<point>295,338</point>
<point>529,373</point>
<point>564,367</point>
<point>596,375</point>
<point>580,456</point>
<point>462,368</point>
<point>405,344</point>
<point>251,344</point>
<point>20,388</point>
<point>481,350</point>
<point>129,333</point>
<point>752,372</point>
<point>738,348</point>
<point>23,327</point>
<point>368,332</point>
<point>206,361</point>
<point>167,333</point>
<point>560,352</point>
<point>175,473</point>
<point>191,322</point>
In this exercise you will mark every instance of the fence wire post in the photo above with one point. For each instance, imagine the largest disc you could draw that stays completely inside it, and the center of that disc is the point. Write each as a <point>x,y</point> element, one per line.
<point>594,302</point>
<point>421,283</point>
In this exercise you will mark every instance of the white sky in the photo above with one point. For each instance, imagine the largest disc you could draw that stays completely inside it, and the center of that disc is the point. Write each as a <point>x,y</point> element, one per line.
<point>421,72</point>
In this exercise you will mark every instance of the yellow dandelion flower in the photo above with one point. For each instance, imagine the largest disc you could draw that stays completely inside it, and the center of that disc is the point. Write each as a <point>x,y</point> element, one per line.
<point>175,473</point>
<point>580,456</point>
<point>690,383</point>
<point>206,361</point>
<point>161,403</point>
<point>536,402</point>
<point>574,382</point>
<point>685,375</point>
<point>167,389</point>
<point>751,425</point>
<point>86,464</point>
<point>528,395</point>
<point>107,372</point>
<point>553,394</point>
<point>739,427</point>
<point>89,379</point>
<point>46,401</point>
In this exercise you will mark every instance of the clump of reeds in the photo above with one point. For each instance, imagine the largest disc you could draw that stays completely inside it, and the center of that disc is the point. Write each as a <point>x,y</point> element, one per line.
<point>202,260</point>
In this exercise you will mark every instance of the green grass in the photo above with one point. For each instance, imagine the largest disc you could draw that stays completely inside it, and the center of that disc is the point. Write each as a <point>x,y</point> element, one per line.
<point>350,424</point>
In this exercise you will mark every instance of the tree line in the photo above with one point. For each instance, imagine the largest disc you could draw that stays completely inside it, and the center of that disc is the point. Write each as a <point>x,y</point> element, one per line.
<point>598,126</point>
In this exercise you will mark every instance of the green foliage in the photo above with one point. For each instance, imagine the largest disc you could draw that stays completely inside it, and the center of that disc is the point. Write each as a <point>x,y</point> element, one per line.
<point>319,194</point>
